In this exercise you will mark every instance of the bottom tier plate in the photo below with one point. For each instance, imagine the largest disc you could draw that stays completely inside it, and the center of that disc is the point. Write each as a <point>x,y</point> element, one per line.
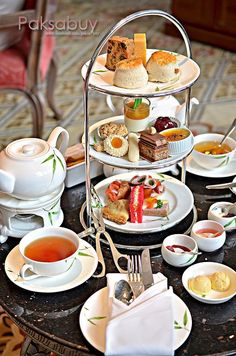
<point>151,240</point>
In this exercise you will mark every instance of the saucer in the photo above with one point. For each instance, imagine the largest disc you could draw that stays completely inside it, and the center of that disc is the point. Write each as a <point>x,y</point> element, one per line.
<point>94,314</point>
<point>81,270</point>
<point>194,168</point>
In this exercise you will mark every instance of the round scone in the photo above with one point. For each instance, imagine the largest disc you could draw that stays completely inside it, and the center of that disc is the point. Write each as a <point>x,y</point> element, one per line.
<point>162,67</point>
<point>200,285</point>
<point>130,74</point>
<point>220,281</point>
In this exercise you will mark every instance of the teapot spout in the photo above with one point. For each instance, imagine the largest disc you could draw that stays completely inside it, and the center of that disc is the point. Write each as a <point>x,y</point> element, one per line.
<point>7,182</point>
<point>180,111</point>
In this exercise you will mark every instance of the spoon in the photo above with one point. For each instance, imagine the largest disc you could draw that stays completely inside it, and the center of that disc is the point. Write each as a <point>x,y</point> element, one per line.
<point>228,210</point>
<point>123,292</point>
<point>191,253</point>
<point>220,232</point>
<point>230,130</point>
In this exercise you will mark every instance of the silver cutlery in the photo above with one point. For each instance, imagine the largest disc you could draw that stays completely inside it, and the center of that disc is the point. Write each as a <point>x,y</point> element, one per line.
<point>147,276</point>
<point>222,186</point>
<point>135,274</point>
<point>230,209</point>
<point>230,130</point>
<point>124,292</point>
<point>190,253</point>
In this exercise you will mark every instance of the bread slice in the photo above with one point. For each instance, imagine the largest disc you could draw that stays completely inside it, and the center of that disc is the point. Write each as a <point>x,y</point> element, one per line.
<point>117,211</point>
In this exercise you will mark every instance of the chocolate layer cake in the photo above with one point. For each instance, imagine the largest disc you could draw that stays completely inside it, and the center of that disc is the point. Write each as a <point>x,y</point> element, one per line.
<point>153,147</point>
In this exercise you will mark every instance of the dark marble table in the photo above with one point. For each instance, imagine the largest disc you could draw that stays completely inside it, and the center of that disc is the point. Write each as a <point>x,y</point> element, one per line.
<point>52,320</point>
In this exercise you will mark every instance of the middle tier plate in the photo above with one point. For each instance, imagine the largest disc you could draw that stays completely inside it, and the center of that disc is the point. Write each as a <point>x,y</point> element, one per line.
<point>123,162</point>
<point>178,195</point>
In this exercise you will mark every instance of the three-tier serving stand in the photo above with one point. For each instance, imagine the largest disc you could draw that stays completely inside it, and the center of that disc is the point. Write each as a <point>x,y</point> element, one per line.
<point>88,86</point>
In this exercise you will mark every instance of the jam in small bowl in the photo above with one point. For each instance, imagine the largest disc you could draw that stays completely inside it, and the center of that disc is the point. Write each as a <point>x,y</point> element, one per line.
<point>179,250</point>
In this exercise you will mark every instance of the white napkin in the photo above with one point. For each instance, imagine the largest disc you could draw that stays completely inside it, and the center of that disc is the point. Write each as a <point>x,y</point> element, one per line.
<point>146,326</point>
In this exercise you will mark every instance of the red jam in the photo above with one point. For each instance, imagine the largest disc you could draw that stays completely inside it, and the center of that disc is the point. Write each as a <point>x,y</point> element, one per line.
<point>181,247</point>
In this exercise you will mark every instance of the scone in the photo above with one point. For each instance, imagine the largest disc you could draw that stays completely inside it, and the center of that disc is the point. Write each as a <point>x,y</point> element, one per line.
<point>220,281</point>
<point>162,67</point>
<point>130,74</point>
<point>117,211</point>
<point>118,48</point>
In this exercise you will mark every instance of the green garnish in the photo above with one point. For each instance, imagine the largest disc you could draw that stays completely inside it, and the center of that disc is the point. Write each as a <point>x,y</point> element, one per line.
<point>137,102</point>
<point>159,204</point>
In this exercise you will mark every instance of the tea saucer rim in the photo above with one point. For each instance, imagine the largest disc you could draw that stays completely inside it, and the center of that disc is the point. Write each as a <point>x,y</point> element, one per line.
<point>84,261</point>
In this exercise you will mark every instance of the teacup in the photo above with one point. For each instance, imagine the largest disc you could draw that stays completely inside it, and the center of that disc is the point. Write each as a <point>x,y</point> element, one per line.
<point>209,161</point>
<point>59,248</point>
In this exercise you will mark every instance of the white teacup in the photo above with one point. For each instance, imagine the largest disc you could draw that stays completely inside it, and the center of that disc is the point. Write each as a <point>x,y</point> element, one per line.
<point>33,269</point>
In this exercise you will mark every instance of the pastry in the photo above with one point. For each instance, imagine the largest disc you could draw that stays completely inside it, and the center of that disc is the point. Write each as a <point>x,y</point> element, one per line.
<point>140,46</point>
<point>220,281</point>
<point>99,146</point>
<point>117,211</point>
<point>133,153</point>
<point>162,67</point>
<point>118,48</point>
<point>116,145</point>
<point>130,74</point>
<point>118,190</point>
<point>153,147</point>
<point>112,128</point>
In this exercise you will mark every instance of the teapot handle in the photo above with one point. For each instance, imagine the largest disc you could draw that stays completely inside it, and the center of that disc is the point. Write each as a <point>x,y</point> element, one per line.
<point>52,140</point>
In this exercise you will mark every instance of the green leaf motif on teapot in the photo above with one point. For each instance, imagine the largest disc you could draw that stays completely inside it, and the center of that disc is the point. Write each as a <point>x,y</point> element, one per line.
<point>54,159</point>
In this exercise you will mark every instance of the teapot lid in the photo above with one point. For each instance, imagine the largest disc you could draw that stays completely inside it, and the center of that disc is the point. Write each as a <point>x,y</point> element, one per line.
<point>27,148</point>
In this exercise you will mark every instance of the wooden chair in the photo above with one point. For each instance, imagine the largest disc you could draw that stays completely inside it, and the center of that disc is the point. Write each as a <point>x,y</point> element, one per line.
<point>25,66</point>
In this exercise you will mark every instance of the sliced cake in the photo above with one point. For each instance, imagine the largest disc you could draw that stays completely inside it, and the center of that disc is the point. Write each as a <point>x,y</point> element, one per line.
<point>118,49</point>
<point>153,147</point>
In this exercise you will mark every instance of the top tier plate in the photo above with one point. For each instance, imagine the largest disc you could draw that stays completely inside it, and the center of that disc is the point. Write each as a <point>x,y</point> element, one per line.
<point>101,79</point>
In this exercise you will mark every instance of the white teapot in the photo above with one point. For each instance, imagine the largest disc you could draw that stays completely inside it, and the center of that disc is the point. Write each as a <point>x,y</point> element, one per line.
<point>31,168</point>
<point>169,106</point>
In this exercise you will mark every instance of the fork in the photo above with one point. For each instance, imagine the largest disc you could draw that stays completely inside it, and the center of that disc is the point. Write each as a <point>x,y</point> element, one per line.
<point>134,274</point>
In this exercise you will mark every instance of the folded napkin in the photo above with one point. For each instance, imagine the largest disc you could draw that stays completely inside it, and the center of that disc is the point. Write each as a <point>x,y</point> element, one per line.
<point>146,326</point>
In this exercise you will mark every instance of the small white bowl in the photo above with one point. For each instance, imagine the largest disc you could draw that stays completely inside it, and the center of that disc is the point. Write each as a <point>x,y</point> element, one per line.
<point>176,147</point>
<point>208,244</point>
<point>206,269</point>
<point>214,214</point>
<point>178,259</point>
<point>213,161</point>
